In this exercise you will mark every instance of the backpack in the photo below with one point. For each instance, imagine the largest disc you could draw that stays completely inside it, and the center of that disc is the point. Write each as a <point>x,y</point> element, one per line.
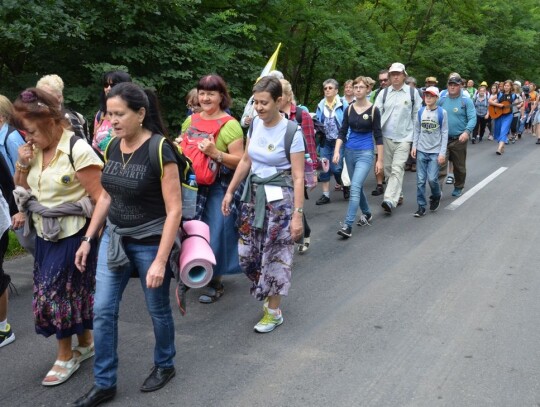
<point>205,168</point>
<point>292,128</point>
<point>155,148</point>
<point>78,123</point>
<point>439,114</point>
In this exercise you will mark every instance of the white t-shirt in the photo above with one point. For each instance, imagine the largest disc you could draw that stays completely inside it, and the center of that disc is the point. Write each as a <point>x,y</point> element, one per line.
<point>267,148</point>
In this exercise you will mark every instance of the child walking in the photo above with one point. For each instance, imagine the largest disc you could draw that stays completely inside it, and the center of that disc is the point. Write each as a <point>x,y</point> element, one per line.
<point>429,148</point>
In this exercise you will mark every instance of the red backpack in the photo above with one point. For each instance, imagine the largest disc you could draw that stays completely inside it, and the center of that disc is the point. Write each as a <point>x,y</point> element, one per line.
<point>205,168</point>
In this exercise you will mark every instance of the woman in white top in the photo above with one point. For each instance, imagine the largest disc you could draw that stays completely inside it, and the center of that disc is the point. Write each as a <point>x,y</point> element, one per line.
<point>271,215</point>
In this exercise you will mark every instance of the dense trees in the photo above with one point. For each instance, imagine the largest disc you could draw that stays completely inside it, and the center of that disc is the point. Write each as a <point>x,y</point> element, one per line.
<point>169,44</point>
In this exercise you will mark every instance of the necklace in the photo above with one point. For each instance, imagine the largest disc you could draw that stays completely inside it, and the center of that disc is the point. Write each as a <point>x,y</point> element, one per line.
<point>124,163</point>
<point>46,164</point>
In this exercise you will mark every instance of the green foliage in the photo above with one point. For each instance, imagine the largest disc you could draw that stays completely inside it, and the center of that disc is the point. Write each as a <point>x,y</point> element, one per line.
<point>170,44</point>
<point>14,248</point>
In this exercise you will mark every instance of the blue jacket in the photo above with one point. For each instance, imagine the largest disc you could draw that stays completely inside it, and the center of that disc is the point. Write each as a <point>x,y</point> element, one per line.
<point>10,148</point>
<point>340,110</point>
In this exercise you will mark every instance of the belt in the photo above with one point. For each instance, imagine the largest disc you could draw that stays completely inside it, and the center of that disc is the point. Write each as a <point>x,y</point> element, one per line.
<point>453,138</point>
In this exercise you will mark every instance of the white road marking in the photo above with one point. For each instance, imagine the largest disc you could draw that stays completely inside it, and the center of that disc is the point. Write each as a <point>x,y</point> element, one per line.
<point>459,201</point>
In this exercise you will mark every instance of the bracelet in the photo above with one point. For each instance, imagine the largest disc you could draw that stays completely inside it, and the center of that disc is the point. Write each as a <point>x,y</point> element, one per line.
<point>219,158</point>
<point>86,239</point>
<point>22,168</point>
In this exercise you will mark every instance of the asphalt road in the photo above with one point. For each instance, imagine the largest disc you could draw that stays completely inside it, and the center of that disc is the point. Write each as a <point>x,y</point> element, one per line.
<point>437,311</point>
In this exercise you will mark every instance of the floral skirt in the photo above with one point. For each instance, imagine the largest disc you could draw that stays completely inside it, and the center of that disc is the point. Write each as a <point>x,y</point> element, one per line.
<point>266,254</point>
<point>63,296</point>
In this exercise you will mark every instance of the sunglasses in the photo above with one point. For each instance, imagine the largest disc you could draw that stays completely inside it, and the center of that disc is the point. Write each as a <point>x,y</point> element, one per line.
<point>107,84</point>
<point>383,80</point>
<point>328,88</point>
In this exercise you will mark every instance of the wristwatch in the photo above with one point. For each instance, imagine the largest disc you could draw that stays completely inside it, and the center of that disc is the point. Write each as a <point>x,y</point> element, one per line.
<point>299,210</point>
<point>86,239</point>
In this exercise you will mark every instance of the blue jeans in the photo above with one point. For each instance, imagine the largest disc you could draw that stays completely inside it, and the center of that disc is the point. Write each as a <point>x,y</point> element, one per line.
<point>359,164</point>
<point>109,288</point>
<point>328,152</point>
<point>427,166</point>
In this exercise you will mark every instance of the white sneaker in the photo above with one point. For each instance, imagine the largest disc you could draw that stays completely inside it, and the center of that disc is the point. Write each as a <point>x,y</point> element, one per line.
<point>7,336</point>
<point>269,322</point>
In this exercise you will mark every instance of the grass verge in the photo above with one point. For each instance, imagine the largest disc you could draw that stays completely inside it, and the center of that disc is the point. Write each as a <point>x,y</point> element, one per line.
<point>14,248</point>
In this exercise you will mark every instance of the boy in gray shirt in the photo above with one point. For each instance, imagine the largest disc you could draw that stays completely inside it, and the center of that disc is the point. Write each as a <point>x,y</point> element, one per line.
<point>429,148</point>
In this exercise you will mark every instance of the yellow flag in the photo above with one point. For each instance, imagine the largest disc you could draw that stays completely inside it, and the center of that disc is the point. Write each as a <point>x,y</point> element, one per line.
<point>271,64</point>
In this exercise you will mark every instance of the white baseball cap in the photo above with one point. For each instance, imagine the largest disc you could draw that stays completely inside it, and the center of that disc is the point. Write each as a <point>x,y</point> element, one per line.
<point>398,67</point>
<point>433,90</point>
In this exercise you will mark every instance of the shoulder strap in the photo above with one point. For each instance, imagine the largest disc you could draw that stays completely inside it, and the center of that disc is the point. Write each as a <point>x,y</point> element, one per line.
<point>440,115</point>
<point>412,90</point>
<point>292,127</point>
<point>111,145</point>
<point>72,140</point>
<point>156,154</point>
<point>420,111</point>
<point>298,115</point>
<point>385,92</point>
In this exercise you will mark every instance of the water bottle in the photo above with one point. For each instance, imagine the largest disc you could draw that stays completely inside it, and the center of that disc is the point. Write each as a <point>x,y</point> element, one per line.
<point>308,171</point>
<point>189,199</point>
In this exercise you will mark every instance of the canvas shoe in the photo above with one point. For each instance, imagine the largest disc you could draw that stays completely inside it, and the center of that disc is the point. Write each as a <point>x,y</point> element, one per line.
<point>269,322</point>
<point>345,231</point>
<point>365,220</point>
<point>7,336</point>
<point>420,212</point>
<point>434,204</point>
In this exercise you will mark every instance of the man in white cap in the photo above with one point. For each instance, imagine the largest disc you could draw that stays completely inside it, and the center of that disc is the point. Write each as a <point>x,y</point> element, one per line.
<point>399,105</point>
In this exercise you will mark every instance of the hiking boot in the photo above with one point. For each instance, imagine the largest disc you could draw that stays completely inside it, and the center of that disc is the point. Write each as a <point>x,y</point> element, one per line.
<point>323,200</point>
<point>269,321</point>
<point>420,212</point>
<point>434,204</point>
<point>345,231</point>
<point>365,220</point>
<point>7,336</point>
<point>379,190</point>
<point>387,206</point>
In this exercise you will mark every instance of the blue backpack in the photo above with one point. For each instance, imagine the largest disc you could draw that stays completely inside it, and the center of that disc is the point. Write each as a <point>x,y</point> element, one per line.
<point>439,114</point>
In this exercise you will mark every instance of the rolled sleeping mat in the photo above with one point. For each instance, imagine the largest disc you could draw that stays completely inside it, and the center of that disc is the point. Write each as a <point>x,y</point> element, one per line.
<point>196,257</point>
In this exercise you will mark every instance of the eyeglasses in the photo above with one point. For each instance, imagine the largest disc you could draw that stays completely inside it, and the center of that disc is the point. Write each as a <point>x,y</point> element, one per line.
<point>360,87</point>
<point>383,80</point>
<point>328,88</point>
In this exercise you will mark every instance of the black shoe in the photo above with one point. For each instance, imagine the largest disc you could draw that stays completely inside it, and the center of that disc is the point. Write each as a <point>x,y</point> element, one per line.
<point>473,140</point>
<point>420,212</point>
<point>95,397</point>
<point>378,190</point>
<point>346,192</point>
<point>434,204</point>
<point>345,231</point>
<point>323,200</point>
<point>158,378</point>
<point>387,206</point>
<point>400,201</point>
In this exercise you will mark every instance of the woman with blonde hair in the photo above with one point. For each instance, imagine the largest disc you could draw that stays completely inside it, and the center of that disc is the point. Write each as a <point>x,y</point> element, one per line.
<point>361,125</point>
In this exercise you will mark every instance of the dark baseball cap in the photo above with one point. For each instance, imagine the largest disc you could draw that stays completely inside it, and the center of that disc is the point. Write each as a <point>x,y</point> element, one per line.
<point>455,79</point>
